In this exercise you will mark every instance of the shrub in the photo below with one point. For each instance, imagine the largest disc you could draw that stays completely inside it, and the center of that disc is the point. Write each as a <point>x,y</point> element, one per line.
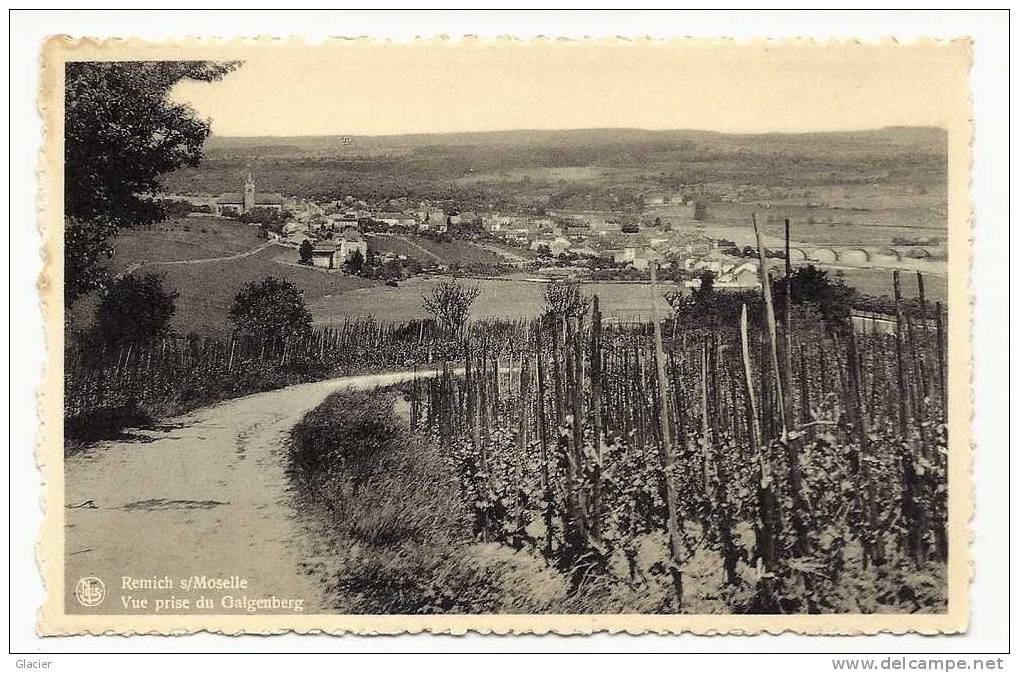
<point>350,434</point>
<point>354,263</point>
<point>103,424</point>
<point>450,304</point>
<point>135,310</point>
<point>273,308</point>
<point>395,501</point>
<point>566,299</point>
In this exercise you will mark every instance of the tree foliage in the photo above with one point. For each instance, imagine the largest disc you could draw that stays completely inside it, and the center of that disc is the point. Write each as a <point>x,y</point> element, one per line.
<point>271,309</point>
<point>450,303</point>
<point>810,285</point>
<point>135,310</point>
<point>121,132</point>
<point>270,217</point>
<point>86,249</point>
<point>355,263</point>
<point>305,251</point>
<point>565,299</point>
<point>705,292</point>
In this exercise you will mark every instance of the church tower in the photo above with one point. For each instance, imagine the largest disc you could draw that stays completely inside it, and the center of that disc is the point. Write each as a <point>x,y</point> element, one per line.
<point>249,194</point>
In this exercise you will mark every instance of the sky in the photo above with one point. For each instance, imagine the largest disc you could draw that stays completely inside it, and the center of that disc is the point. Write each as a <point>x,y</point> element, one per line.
<point>359,88</point>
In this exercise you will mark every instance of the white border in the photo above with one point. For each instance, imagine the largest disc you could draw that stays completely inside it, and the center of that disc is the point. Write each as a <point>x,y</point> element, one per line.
<point>989,628</point>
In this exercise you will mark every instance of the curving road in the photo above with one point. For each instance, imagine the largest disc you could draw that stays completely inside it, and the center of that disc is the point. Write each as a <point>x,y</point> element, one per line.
<point>205,494</point>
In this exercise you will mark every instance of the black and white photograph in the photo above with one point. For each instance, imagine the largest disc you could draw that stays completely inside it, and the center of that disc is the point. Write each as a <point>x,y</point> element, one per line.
<point>521,336</point>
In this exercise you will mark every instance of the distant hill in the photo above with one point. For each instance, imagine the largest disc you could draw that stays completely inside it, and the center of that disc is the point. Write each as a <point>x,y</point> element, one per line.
<point>523,169</point>
<point>921,138</point>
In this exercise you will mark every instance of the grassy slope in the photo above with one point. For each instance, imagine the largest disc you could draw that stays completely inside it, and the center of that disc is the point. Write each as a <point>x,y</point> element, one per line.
<point>184,238</point>
<point>389,512</point>
<point>206,291</point>
<point>453,252</point>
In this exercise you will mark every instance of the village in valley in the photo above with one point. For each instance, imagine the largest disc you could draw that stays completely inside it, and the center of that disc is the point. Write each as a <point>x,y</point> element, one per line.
<point>671,230</point>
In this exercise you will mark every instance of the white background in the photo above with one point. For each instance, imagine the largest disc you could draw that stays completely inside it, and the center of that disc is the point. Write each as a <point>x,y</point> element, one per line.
<point>991,544</point>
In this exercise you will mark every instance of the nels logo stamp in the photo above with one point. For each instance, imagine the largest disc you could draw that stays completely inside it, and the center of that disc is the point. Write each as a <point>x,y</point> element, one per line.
<point>90,591</point>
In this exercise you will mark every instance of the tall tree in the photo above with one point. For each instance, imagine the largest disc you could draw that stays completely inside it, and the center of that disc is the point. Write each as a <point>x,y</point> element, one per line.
<point>121,132</point>
<point>354,263</point>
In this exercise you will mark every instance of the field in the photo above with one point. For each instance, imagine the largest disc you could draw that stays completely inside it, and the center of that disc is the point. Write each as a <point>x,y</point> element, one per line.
<point>511,297</point>
<point>505,298</point>
<point>553,174</point>
<point>824,226</point>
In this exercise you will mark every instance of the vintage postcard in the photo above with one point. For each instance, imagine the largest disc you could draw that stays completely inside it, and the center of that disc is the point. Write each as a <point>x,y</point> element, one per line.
<point>505,336</point>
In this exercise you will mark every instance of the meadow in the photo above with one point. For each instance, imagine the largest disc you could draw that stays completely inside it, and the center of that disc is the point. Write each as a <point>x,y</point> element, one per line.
<point>511,297</point>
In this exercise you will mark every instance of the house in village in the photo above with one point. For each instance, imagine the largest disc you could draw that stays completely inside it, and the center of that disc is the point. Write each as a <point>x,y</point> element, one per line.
<point>516,236</point>
<point>395,219</point>
<point>646,258</point>
<point>584,251</point>
<point>736,274</point>
<point>238,203</point>
<point>496,222</point>
<point>625,255</point>
<point>333,254</point>
<point>432,219</point>
<point>555,246</point>
<point>470,217</point>
<point>347,218</point>
<point>741,275</point>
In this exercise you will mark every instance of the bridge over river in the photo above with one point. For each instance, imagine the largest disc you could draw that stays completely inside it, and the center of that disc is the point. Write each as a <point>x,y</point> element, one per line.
<point>911,257</point>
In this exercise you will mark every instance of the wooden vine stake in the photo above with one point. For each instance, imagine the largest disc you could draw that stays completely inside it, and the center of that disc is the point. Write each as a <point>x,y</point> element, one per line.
<point>596,418</point>
<point>765,493</point>
<point>771,332</point>
<point>781,399</point>
<point>676,570</point>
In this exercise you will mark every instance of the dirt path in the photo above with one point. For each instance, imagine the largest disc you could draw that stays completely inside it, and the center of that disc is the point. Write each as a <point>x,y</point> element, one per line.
<point>206,494</point>
<point>181,262</point>
<point>239,255</point>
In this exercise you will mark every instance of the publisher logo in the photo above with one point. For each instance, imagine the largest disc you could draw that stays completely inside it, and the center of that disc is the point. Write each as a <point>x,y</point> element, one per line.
<point>90,591</point>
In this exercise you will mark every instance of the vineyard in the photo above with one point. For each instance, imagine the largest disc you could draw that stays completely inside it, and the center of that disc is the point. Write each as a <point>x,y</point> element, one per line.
<point>138,382</point>
<point>762,466</point>
<point>767,461</point>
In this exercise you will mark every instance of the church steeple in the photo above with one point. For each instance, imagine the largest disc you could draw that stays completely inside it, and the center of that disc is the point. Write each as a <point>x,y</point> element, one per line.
<point>249,193</point>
